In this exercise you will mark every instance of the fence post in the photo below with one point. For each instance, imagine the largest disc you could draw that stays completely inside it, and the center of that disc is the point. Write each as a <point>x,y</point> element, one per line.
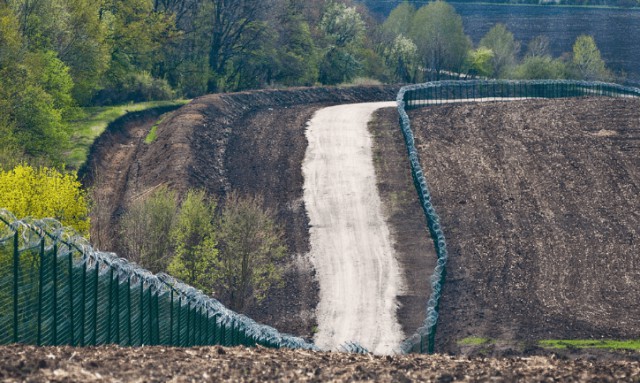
<point>179,343</point>
<point>71,310</point>
<point>16,267</point>
<point>55,293</point>
<point>95,304</point>
<point>41,277</point>
<point>150,316</point>
<point>110,306</point>
<point>171,320</point>
<point>141,308</point>
<point>84,299</point>
<point>129,310</point>
<point>118,307</point>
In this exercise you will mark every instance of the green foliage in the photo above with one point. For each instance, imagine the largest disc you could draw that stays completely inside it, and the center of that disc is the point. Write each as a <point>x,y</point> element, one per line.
<point>297,58</point>
<point>587,63</point>
<point>437,31</point>
<point>540,67</point>
<point>94,121</point>
<point>402,57</point>
<point>146,227</point>
<point>45,193</point>
<point>196,254</point>
<point>399,20</point>
<point>342,25</point>
<point>152,135</point>
<point>343,30</point>
<point>475,341</point>
<point>504,47</point>
<point>250,246</point>
<point>135,87</point>
<point>136,35</point>
<point>592,343</point>
<point>338,65</point>
<point>479,62</point>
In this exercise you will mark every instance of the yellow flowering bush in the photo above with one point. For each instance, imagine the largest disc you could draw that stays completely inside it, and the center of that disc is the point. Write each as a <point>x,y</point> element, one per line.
<point>45,193</point>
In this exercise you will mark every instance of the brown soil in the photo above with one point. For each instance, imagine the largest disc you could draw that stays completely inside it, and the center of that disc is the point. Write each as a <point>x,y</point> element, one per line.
<point>539,203</point>
<point>213,364</point>
<point>251,142</point>
<point>403,214</point>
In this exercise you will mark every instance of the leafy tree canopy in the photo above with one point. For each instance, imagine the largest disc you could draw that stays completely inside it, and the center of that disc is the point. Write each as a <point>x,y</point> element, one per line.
<point>45,193</point>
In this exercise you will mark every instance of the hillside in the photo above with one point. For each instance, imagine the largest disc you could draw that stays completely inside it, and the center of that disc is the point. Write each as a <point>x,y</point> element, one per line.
<point>250,142</point>
<point>539,203</point>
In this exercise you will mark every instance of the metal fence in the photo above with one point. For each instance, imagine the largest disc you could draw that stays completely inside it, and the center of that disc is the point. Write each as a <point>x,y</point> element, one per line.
<point>441,92</point>
<point>56,290</point>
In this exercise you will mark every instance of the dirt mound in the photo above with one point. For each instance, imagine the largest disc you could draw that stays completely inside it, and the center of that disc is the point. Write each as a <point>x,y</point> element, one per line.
<point>539,204</point>
<point>161,364</point>
<point>251,142</point>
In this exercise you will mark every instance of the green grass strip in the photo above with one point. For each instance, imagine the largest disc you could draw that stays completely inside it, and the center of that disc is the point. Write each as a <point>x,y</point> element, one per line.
<point>607,344</point>
<point>153,132</point>
<point>475,341</point>
<point>96,119</point>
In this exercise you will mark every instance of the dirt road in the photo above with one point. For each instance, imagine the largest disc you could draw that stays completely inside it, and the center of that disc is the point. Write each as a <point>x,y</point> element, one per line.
<point>351,248</point>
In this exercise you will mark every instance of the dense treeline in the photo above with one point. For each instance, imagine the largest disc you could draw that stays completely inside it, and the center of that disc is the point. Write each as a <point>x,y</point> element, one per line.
<point>429,43</point>
<point>59,55</point>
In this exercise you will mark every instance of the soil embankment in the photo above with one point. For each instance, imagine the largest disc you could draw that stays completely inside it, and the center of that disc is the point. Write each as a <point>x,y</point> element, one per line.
<point>216,364</point>
<point>539,203</point>
<point>251,142</point>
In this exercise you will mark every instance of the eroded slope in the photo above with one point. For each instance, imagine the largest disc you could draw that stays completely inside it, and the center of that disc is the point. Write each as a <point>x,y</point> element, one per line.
<point>252,142</point>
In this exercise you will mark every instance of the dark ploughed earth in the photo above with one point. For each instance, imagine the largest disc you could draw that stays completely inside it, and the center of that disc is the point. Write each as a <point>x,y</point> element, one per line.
<point>540,205</point>
<point>214,364</point>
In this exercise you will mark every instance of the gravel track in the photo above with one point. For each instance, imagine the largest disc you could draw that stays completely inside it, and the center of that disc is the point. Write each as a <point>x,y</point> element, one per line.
<point>351,248</point>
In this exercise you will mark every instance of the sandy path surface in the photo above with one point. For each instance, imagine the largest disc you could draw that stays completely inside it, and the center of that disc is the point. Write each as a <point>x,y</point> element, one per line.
<point>351,250</point>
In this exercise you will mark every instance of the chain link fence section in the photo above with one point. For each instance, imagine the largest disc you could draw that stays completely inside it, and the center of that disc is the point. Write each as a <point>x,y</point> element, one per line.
<point>442,92</point>
<point>55,289</point>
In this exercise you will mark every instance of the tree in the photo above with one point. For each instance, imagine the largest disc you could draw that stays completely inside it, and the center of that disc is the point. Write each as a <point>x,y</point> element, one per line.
<point>45,193</point>
<point>399,21</point>
<point>73,30</point>
<point>251,244</point>
<point>438,33</point>
<point>504,47</point>
<point>146,228</point>
<point>343,30</point>
<point>479,62</point>
<point>402,58</point>
<point>196,256</point>
<point>540,67</point>
<point>233,30</point>
<point>297,56</point>
<point>587,62</point>
<point>538,47</point>
<point>34,96</point>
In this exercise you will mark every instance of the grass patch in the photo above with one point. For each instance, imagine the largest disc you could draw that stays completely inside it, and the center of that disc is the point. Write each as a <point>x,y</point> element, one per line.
<point>590,343</point>
<point>475,341</point>
<point>153,132</point>
<point>96,119</point>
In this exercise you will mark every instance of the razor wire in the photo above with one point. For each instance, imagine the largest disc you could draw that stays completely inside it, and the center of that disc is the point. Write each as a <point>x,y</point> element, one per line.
<point>441,92</point>
<point>55,289</point>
